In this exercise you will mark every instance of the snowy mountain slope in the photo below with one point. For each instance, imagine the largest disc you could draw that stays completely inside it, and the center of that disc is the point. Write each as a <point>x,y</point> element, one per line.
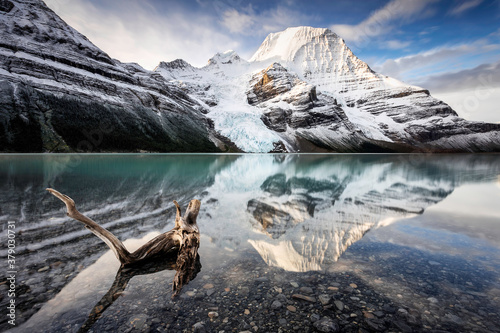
<point>304,90</point>
<point>56,86</point>
<point>381,107</point>
<point>221,87</point>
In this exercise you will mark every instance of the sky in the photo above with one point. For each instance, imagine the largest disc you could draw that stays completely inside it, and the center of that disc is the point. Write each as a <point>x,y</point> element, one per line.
<point>451,47</point>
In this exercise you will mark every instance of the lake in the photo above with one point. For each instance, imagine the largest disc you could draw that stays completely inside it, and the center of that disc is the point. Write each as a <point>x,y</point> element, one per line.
<point>289,243</point>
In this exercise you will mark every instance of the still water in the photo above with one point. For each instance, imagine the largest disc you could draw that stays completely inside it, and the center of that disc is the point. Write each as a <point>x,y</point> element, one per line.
<point>289,243</point>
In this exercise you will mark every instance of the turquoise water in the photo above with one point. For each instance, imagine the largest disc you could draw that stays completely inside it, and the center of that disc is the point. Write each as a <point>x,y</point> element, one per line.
<point>417,236</point>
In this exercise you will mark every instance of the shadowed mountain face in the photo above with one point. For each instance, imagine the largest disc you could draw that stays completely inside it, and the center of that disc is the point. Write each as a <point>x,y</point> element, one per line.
<point>299,212</point>
<point>62,93</point>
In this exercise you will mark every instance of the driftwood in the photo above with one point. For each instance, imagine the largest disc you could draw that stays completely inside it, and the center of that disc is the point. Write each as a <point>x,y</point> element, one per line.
<point>180,244</point>
<point>123,276</point>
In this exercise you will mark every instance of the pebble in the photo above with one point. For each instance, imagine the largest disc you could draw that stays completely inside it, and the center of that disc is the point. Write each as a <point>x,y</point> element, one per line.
<point>43,269</point>
<point>139,322</point>
<point>339,305</point>
<point>402,312</point>
<point>306,290</point>
<point>315,317</point>
<point>353,285</point>
<point>276,305</point>
<point>56,264</point>
<point>247,312</point>
<point>368,315</point>
<point>326,324</point>
<point>291,308</point>
<point>213,314</point>
<point>453,319</point>
<point>294,284</point>
<point>208,286</point>
<point>304,298</point>
<point>199,327</point>
<point>388,308</point>
<point>282,298</point>
<point>324,299</point>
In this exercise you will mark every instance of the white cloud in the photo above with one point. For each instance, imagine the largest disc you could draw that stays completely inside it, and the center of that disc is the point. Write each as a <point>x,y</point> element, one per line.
<point>400,67</point>
<point>480,77</point>
<point>383,20</point>
<point>465,6</point>
<point>478,104</point>
<point>247,22</point>
<point>428,30</point>
<point>132,31</point>
<point>237,22</point>
<point>473,93</point>
<point>396,44</point>
<point>439,60</point>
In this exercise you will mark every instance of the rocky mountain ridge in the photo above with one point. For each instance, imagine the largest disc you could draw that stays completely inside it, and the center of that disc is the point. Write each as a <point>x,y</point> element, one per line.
<point>313,94</point>
<point>302,91</point>
<point>62,93</point>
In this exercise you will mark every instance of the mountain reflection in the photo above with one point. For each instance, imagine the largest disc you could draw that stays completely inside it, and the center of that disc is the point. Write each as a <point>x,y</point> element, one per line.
<point>299,212</point>
<point>308,209</point>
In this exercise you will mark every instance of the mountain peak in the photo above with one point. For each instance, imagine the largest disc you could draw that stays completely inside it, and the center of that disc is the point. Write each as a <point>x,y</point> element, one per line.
<point>32,27</point>
<point>285,44</point>
<point>227,57</point>
<point>176,64</point>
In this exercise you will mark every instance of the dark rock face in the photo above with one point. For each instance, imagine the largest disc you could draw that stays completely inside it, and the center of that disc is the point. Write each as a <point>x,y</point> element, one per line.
<point>57,87</point>
<point>293,105</point>
<point>276,84</point>
<point>276,80</point>
<point>176,64</point>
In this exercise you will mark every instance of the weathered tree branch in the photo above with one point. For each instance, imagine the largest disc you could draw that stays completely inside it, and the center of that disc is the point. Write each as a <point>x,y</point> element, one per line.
<point>182,242</point>
<point>114,244</point>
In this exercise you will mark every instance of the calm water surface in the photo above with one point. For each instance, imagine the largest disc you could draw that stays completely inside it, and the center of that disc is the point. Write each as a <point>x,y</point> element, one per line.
<point>290,243</point>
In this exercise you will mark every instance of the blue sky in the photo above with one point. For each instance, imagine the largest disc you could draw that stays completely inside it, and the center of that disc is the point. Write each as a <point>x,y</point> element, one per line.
<point>451,47</point>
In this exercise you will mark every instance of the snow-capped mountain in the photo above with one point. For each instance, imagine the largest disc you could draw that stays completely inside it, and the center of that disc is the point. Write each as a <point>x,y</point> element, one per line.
<point>59,92</point>
<point>382,108</point>
<point>303,90</point>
